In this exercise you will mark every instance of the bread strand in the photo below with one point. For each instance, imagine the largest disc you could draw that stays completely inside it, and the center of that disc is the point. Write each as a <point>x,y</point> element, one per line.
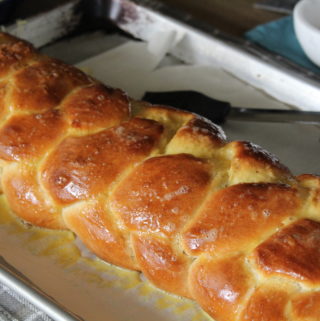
<point>159,191</point>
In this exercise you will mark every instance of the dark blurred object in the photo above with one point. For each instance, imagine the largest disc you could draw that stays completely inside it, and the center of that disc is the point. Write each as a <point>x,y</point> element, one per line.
<point>219,111</point>
<point>282,6</point>
<point>6,10</point>
<point>189,100</point>
<point>231,16</point>
<point>28,8</point>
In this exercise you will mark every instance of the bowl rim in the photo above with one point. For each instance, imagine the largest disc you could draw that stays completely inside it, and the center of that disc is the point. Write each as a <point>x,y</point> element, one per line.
<point>299,16</point>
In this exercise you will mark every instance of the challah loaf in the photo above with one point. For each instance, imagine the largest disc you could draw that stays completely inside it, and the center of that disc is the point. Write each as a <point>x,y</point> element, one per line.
<point>158,190</point>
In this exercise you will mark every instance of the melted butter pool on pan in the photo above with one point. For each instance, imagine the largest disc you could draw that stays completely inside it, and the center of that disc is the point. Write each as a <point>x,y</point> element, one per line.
<point>61,248</point>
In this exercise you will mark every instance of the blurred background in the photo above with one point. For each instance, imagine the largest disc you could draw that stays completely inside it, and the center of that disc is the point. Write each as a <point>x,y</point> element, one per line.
<point>234,17</point>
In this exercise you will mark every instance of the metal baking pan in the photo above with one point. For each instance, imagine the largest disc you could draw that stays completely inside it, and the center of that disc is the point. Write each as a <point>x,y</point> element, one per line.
<point>198,44</point>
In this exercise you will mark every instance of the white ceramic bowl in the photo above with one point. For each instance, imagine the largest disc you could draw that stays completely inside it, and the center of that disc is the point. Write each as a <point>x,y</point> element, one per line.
<point>306,17</point>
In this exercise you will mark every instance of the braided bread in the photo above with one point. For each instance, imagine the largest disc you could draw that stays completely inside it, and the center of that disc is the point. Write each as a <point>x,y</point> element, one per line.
<point>158,190</point>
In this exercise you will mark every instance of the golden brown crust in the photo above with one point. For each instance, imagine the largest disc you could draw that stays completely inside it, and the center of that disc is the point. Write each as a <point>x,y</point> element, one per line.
<point>43,85</point>
<point>82,167</point>
<point>239,216</point>
<point>306,307</point>
<point>3,93</point>
<point>292,252</point>
<point>220,286</point>
<point>29,136</point>
<point>162,264</point>
<point>252,164</point>
<point>14,54</point>
<point>93,224</point>
<point>266,304</point>
<point>310,185</point>
<point>96,106</point>
<point>149,200</point>
<point>27,200</point>
<point>158,190</point>
<point>198,137</point>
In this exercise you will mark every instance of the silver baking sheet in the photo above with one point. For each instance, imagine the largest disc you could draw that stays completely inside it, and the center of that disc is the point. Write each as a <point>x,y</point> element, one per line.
<point>49,26</point>
<point>34,262</point>
<point>199,43</point>
<point>19,283</point>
